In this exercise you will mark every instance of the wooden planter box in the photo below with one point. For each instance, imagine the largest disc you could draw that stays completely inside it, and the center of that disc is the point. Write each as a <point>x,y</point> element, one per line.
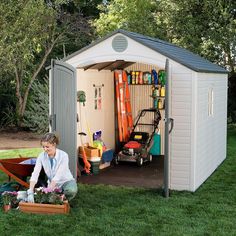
<point>44,208</point>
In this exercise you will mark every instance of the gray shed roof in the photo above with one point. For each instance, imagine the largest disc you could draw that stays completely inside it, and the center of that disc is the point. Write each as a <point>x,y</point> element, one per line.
<point>172,51</point>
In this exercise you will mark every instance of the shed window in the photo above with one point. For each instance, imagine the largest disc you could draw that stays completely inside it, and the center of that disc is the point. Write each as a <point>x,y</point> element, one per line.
<point>210,102</point>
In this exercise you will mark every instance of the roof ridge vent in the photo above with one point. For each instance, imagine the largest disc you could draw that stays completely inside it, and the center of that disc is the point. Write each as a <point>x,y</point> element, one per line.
<point>119,43</point>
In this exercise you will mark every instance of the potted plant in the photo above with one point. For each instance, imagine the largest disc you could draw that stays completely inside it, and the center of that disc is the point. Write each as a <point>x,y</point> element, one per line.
<point>9,200</point>
<point>49,196</point>
<point>46,201</point>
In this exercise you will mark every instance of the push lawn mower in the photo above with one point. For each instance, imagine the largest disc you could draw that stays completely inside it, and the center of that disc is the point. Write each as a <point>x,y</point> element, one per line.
<point>139,144</point>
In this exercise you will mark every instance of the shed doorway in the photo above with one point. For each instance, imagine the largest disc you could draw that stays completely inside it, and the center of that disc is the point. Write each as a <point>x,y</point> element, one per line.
<point>150,175</point>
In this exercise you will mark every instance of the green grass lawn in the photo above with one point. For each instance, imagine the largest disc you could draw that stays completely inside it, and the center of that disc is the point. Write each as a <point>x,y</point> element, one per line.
<point>106,210</point>
<point>33,152</point>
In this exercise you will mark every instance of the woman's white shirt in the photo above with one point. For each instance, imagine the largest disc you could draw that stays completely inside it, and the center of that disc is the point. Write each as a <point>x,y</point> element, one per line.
<point>59,172</point>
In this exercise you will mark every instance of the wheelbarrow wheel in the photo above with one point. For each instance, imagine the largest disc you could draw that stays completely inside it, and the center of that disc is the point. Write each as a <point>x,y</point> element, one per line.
<point>140,161</point>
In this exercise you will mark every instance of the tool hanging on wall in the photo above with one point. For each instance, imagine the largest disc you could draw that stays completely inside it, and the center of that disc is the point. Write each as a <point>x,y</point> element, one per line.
<point>124,114</point>
<point>81,98</point>
<point>98,96</point>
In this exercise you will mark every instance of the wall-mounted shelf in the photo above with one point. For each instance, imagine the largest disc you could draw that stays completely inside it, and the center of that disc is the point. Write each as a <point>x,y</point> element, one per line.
<point>157,96</point>
<point>142,84</point>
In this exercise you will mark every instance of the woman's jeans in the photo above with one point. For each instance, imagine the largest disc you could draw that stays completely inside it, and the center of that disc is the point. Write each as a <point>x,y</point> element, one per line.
<point>70,189</point>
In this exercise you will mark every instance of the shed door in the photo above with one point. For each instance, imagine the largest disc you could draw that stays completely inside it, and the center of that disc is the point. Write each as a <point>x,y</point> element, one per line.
<point>168,130</point>
<point>63,111</point>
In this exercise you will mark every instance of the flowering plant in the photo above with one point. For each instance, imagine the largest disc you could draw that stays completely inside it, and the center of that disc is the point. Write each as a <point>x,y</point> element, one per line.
<point>49,196</point>
<point>10,198</point>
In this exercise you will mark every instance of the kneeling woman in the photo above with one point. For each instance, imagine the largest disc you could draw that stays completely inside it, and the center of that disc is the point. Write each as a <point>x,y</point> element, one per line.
<point>55,163</point>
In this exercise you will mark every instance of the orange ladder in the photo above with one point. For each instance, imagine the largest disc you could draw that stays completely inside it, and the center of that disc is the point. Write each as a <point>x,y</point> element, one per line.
<point>128,104</point>
<point>124,114</point>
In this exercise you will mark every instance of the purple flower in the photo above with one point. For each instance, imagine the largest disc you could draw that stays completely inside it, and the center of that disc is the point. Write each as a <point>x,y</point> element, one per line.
<point>57,190</point>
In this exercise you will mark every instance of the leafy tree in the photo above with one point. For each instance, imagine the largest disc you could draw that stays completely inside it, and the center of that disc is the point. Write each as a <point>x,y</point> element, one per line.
<point>205,27</point>
<point>88,7</point>
<point>135,15</point>
<point>29,31</point>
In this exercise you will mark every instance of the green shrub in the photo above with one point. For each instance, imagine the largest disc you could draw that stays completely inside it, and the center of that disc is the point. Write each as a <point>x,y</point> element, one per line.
<point>8,117</point>
<point>231,99</point>
<point>7,101</point>
<point>37,111</point>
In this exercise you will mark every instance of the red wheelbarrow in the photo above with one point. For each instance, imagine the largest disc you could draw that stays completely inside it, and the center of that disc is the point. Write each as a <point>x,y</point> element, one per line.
<point>18,169</point>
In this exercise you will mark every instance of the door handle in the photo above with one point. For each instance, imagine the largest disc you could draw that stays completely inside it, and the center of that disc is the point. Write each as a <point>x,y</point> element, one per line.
<point>171,124</point>
<point>52,122</point>
<point>171,121</point>
<point>50,119</point>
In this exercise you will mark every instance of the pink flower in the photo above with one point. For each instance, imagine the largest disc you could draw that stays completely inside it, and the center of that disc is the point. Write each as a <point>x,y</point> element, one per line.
<point>47,190</point>
<point>14,193</point>
<point>9,197</point>
<point>49,196</point>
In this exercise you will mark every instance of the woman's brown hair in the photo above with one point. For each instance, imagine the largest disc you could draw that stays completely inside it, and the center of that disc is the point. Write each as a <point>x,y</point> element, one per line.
<point>50,138</point>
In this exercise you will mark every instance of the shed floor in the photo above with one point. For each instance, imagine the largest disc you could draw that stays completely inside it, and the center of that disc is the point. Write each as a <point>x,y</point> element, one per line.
<point>150,175</point>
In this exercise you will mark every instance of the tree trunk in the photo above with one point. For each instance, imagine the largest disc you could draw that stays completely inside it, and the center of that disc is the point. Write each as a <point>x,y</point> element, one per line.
<point>19,97</point>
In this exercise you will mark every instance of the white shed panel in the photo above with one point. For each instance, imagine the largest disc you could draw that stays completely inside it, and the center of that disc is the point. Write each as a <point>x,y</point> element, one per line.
<point>180,138</point>
<point>210,128</point>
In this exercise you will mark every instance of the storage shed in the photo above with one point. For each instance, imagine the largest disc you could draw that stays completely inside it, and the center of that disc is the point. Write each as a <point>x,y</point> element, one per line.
<point>197,100</point>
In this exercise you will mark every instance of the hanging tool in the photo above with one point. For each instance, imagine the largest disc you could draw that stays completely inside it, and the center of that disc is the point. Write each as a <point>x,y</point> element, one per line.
<point>81,99</point>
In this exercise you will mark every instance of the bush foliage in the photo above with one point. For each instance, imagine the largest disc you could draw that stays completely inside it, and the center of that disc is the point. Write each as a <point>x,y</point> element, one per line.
<point>37,111</point>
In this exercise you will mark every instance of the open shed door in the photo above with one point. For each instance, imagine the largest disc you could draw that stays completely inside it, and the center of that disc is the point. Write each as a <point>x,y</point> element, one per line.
<point>63,110</point>
<point>168,130</point>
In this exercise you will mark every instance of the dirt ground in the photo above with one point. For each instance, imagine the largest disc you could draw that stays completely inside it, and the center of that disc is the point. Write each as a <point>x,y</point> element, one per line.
<point>18,139</point>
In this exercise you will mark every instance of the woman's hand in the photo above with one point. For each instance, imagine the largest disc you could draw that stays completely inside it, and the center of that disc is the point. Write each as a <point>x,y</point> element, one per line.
<point>52,185</point>
<point>30,197</point>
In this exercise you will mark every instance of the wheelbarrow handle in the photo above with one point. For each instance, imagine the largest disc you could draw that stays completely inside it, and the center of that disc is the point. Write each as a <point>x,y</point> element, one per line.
<point>23,183</point>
